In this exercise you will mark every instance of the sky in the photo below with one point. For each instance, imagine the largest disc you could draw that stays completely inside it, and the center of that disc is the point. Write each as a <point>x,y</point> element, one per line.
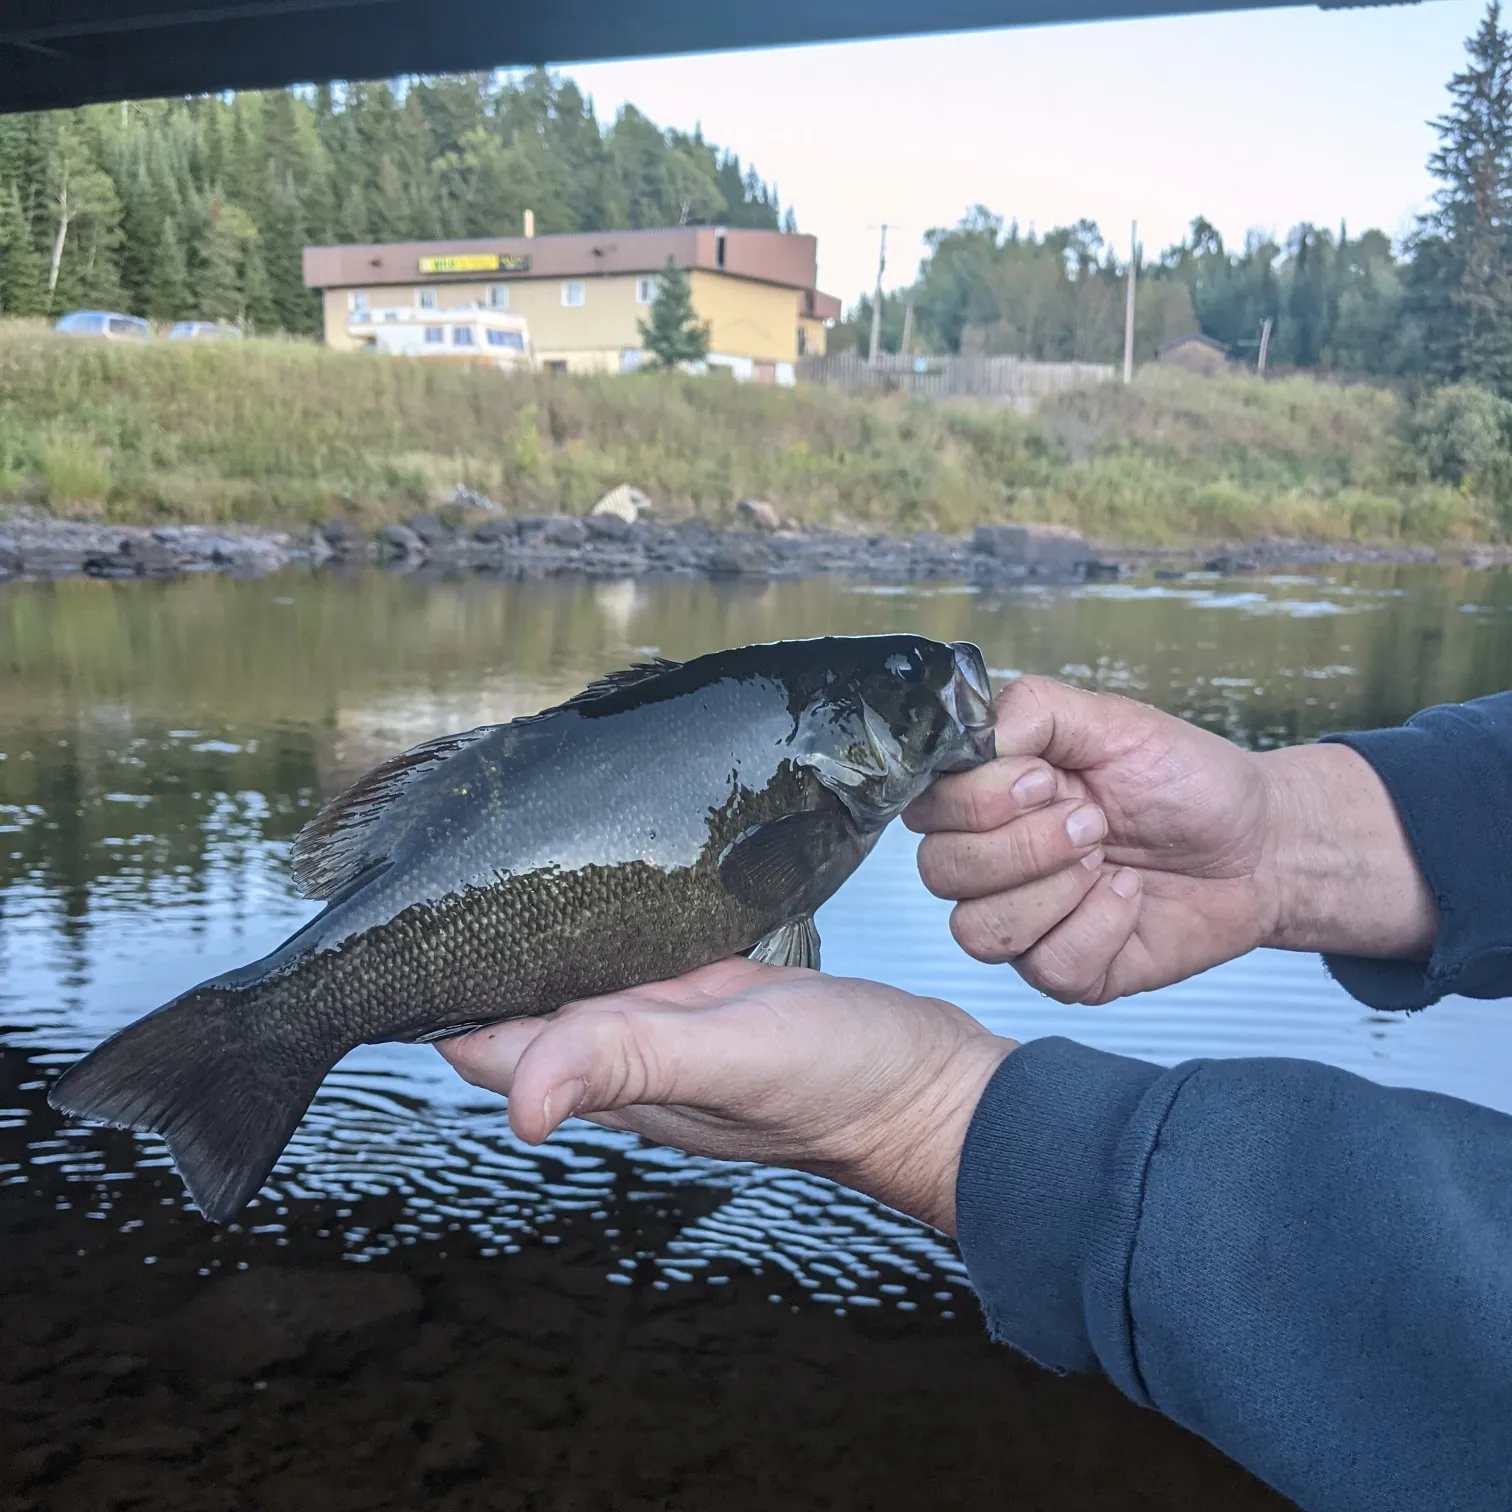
<point>1256,119</point>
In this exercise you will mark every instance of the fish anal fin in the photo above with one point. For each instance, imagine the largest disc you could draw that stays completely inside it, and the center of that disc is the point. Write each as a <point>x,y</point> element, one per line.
<point>794,944</point>
<point>344,839</point>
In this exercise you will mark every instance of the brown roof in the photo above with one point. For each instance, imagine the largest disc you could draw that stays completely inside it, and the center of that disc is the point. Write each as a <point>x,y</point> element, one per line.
<point>774,257</point>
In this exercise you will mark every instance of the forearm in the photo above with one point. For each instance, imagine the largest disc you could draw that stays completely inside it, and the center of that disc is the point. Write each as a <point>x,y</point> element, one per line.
<point>1313,1272</point>
<point>1340,874</point>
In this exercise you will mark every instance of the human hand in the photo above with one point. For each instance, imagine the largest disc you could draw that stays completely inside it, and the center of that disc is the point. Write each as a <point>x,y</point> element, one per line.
<point>861,1083</point>
<point>1111,848</point>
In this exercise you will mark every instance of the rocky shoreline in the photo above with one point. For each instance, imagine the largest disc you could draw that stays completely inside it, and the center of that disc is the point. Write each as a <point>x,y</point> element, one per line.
<point>606,546</point>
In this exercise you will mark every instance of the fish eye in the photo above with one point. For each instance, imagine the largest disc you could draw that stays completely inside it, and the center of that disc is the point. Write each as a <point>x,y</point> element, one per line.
<point>906,667</point>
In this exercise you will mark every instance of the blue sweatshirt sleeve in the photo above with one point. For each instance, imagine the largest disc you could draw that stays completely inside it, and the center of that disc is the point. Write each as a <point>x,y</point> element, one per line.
<point>1312,1272</point>
<point>1449,772</point>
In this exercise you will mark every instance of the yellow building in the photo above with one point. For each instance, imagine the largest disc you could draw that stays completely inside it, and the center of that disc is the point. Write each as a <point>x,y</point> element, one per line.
<point>584,293</point>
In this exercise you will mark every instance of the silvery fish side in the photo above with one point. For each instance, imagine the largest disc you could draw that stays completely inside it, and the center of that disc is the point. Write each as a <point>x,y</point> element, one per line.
<point>666,817</point>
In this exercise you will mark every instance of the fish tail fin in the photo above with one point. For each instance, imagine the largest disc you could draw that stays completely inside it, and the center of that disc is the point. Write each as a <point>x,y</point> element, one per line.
<point>204,1073</point>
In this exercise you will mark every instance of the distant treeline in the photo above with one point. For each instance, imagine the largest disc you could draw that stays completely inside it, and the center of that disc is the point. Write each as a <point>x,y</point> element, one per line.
<point>1440,305</point>
<point>201,207</point>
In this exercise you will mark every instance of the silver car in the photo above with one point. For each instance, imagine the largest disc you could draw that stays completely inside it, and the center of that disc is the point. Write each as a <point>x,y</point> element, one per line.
<point>106,323</point>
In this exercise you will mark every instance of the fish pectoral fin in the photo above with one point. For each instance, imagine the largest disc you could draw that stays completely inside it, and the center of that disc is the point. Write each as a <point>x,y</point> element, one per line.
<point>772,867</point>
<point>451,1031</point>
<point>795,944</point>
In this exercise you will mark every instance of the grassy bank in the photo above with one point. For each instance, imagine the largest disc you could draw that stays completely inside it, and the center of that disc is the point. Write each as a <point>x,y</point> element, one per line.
<point>285,433</point>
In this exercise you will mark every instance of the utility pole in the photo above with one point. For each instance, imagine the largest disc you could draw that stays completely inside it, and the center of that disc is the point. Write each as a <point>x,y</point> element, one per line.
<point>876,330</point>
<point>1129,307</point>
<point>1265,331</point>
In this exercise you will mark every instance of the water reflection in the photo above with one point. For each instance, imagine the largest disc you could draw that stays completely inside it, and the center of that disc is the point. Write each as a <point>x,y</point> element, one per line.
<point>161,744</point>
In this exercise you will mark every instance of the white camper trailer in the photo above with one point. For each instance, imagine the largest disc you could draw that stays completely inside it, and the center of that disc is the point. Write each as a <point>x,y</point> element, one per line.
<point>468,334</point>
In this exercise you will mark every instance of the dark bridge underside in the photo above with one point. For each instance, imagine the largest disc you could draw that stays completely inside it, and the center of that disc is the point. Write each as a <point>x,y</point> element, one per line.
<point>72,52</point>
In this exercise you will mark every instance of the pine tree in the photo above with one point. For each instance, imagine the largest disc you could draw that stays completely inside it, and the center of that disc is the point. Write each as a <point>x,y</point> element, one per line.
<point>23,274</point>
<point>1462,283</point>
<point>674,335</point>
<point>168,298</point>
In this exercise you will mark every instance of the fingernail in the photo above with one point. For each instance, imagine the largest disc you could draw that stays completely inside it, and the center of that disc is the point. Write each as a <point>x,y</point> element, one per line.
<point>1093,859</point>
<point>569,1098</point>
<point>1126,883</point>
<point>1086,825</point>
<point>1033,788</point>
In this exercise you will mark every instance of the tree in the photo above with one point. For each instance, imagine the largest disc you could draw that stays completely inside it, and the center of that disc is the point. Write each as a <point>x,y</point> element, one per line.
<point>169,295</point>
<point>674,334</point>
<point>23,275</point>
<point>1461,283</point>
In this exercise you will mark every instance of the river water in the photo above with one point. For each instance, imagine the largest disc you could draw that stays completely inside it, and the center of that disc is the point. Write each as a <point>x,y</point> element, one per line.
<point>160,744</point>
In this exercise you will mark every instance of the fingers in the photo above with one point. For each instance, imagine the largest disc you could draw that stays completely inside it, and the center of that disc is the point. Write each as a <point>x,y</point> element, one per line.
<point>1005,925</point>
<point>487,1057</point>
<point>985,798</point>
<point>959,865</point>
<point>1067,727</point>
<point>1073,961</point>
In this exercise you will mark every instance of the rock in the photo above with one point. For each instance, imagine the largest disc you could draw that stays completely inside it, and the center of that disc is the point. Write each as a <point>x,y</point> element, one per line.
<point>563,530</point>
<point>608,527</point>
<point>1226,563</point>
<point>10,563</point>
<point>249,558</point>
<point>244,1323</point>
<point>343,537</point>
<point>1477,561</point>
<point>758,514</point>
<point>625,502</point>
<point>493,531</point>
<point>400,541</point>
<point>733,557</point>
<point>1038,548</point>
<point>464,498</point>
<point>136,556</point>
<point>320,549</point>
<point>430,530</point>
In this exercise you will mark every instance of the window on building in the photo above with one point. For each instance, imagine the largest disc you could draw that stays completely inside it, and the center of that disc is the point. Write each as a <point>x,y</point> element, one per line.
<point>434,335</point>
<point>646,290</point>
<point>574,293</point>
<point>463,336</point>
<point>556,364</point>
<point>425,299</point>
<point>802,342</point>
<point>357,301</point>
<point>498,296</point>
<point>511,340</point>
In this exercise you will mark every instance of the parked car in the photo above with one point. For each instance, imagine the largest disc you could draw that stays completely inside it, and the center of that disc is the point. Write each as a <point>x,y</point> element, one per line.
<point>203,330</point>
<point>106,323</point>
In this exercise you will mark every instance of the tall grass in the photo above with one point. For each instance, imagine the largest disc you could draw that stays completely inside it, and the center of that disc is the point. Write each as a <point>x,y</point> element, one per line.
<point>286,433</point>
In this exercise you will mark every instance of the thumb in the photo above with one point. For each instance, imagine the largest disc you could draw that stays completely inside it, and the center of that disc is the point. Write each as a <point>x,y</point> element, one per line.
<point>1068,727</point>
<point>611,1056</point>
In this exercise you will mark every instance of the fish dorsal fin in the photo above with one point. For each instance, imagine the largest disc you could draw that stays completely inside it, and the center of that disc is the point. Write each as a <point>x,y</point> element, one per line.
<point>347,836</point>
<point>622,681</point>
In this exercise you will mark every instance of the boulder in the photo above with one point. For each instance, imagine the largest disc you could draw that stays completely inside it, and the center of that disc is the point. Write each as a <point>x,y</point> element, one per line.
<point>564,530</point>
<point>1037,547</point>
<point>136,556</point>
<point>464,498</point>
<point>608,527</point>
<point>758,514</point>
<point>400,541</point>
<point>628,503</point>
<point>431,530</point>
<point>733,557</point>
<point>490,532</point>
<point>343,537</point>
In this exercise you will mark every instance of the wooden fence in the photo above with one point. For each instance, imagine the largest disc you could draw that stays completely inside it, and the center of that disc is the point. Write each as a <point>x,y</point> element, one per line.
<point>1008,379</point>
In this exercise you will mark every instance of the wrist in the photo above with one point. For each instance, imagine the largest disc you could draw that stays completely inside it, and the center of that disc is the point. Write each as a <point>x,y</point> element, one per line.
<point>917,1159</point>
<point>1339,873</point>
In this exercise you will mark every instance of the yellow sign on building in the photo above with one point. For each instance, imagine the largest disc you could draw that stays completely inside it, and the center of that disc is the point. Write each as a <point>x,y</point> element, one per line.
<point>477,262</point>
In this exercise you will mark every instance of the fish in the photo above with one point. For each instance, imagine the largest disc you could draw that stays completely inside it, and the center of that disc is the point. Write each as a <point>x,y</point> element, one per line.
<point>668,816</point>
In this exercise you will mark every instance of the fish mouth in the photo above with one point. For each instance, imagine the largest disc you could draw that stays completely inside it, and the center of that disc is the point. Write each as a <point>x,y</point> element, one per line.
<point>968,700</point>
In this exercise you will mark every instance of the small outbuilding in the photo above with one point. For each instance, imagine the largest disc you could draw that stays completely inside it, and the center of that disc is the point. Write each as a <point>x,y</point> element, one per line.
<point>1194,353</point>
